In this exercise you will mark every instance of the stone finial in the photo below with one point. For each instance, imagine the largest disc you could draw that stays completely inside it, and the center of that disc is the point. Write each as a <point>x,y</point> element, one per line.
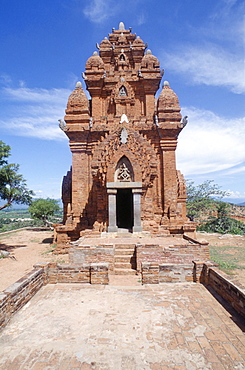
<point>168,107</point>
<point>78,84</point>
<point>95,53</point>
<point>149,52</point>
<point>77,102</point>
<point>121,26</point>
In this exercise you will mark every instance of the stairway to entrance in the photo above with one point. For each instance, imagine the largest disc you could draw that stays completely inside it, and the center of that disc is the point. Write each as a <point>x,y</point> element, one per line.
<point>125,259</point>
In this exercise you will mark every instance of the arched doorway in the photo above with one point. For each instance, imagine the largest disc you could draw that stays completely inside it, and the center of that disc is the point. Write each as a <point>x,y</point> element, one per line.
<point>124,198</point>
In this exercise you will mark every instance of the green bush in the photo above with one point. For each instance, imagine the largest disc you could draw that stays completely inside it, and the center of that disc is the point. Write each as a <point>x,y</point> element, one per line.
<point>223,225</point>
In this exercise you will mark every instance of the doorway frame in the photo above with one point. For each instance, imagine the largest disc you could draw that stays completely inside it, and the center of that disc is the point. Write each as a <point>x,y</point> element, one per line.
<point>112,211</point>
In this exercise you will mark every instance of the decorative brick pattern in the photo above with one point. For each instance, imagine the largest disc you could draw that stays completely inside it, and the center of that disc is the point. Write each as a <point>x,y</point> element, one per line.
<point>123,119</point>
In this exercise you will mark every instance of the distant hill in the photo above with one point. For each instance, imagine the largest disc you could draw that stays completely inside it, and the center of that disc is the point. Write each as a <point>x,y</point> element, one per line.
<point>242,204</point>
<point>23,206</point>
<point>237,201</point>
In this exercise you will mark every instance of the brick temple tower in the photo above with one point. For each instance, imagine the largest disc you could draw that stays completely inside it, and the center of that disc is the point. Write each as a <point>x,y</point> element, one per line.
<point>123,143</point>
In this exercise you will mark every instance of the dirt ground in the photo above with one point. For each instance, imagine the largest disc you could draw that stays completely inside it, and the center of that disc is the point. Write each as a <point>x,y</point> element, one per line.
<point>231,246</point>
<point>28,247</point>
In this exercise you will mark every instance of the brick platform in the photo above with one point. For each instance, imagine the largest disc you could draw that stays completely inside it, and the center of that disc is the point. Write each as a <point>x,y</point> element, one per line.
<point>167,326</point>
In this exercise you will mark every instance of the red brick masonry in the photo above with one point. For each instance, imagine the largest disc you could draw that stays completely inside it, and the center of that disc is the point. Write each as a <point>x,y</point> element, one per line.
<point>19,293</point>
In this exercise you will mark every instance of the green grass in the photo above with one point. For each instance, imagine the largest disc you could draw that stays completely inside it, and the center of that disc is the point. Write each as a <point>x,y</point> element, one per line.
<point>228,258</point>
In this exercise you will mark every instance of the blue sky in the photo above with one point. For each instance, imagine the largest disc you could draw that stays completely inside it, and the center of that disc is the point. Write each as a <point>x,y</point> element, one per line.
<point>44,46</point>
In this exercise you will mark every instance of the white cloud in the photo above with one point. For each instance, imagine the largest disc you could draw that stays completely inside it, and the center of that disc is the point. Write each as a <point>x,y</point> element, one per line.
<point>215,56</point>
<point>237,170</point>
<point>36,112</point>
<point>210,143</point>
<point>210,66</point>
<point>235,195</point>
<point>141,19</point>
<point>36,95</point>
<point>5,79</point>
<point>99,11</point>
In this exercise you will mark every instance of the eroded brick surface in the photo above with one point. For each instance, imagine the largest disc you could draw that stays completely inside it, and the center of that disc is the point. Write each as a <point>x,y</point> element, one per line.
<point>123,144</point>
<point>169,326</point>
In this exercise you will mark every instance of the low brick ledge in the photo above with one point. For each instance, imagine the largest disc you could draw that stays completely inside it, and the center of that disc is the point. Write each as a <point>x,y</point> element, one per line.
<point>154,273</point>
<point>228,290</point>
<point>199,272</point>
<point>18,294</point>
<point>90,273</point>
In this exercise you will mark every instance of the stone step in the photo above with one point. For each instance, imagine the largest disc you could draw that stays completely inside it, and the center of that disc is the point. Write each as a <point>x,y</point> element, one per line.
<point>124,246</point>
<point>124,265</point>
<point>124,235</point>
<point>125,258</point>
<point>124,272</point>
<point>129,252</point>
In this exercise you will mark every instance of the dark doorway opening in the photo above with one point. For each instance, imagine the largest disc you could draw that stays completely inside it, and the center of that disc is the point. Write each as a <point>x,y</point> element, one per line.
<point>125,219</point>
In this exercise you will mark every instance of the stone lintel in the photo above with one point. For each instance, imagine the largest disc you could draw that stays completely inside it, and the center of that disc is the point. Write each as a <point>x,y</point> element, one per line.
<point>124,185</point>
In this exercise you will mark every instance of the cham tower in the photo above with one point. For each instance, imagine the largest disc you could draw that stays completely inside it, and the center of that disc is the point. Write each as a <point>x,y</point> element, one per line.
<point>123,141</point>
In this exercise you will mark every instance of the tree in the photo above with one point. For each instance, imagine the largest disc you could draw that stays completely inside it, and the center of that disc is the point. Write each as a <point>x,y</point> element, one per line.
<point>43,209</point>
<point>202,198</point>
<point>13,188</point>
<point>223,209</point>
<point>224,225</point>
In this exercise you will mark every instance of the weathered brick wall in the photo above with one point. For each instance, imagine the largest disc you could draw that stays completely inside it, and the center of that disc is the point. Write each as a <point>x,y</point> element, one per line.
<point>19,293</point>
<point>150,273</point>
<point>230,292</point>
<point>90,273</point>
<point>93,254</point>
<point>154,273</point>
<point>99,273</point>
<point>150,253</point>
<point>175,273</point>
<point>175,254</point>
<point>59,273</point>
<point>198,276</point>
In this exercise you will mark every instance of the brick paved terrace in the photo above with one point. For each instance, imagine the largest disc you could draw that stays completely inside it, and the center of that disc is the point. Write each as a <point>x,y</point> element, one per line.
<point>123,326</point>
